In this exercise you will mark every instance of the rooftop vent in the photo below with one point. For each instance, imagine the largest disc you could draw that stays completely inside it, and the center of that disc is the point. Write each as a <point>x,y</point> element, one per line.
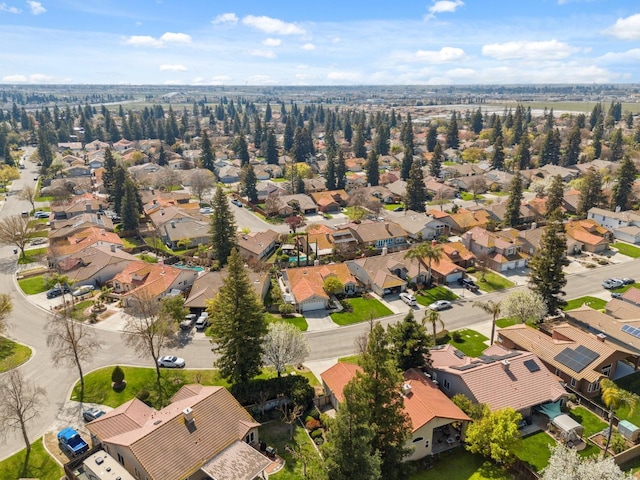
<point>187,413</point>
<point>505,363</point>
<point>406,388</point>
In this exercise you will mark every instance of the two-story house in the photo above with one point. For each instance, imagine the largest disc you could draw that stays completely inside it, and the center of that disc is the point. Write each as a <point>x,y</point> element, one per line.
<point>499,253</point>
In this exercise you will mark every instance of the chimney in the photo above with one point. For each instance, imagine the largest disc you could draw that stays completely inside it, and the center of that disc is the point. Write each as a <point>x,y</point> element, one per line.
<point>384,250</point>
<point>173,224</point>
<point>113,248</point>
<point>103,231</point>
<point>505,364</point>
<point>618,209</point>
<point>602,337</point>
<point>187,413</point>
<point>406,389</point>
<point>534,225</point>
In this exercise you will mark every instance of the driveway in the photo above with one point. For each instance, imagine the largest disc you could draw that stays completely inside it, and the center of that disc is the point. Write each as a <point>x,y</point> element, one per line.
<point>318,320</point>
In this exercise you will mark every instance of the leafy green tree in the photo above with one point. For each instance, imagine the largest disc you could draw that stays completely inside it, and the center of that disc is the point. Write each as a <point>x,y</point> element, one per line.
<point>623,184</point>
<point>497,157</point>
<point>512,211</point>
<point>493,308</point>
<point>333,286</point>
<point>249,183</point>
<point>373,169</point>
<point>130,207</point>
<point>590,191</point>
<point>452,140</point>
<point>207,155</point>
<point>173,308</point>
<point>238,326</point>
<point>416,189</point>
<point>223,228</point>
<point>555,194</point>
<point>476,411</point>
<point>546,274</point>
<point>495,435</point>
<point>409,343</point>
<point>615,397</point>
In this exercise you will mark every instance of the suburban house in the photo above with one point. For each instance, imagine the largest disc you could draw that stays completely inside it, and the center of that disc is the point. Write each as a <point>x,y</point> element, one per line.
<point>579,358</point>
<point>331,200</point>
<point>420,226</point>
<point>530,241</point>
<point>296,204</point>
<point>77,205</point>
<point>498,252</point>
<point>257,245</point>
<point>446,271</point>
<point>593,237</point>
<point>322,240</point>
<point>379,235</point>
<point>619,332</point>
<point>229,174</point>
<point>622,308</point>
<point>457,253</point>
<point>387,274</point>
<point>625,226</point>
<point>304,286</point>
<point>69,226</point>
<point>208,284</point>
<point>437,424</point>
<point>91,236</point>
<point>150,280</point>
<point>185,232</point>
<point>499,378</point>
<point>203,433</point>
<point>95,265</point>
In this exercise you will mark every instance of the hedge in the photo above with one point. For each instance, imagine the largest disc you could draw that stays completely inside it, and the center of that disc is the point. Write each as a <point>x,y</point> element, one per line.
<point>294,387</point>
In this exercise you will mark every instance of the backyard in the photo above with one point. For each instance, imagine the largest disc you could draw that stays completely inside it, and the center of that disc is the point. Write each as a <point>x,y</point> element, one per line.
<point>362,309</point>
<point>469,342</point>
<point>534,450</point>
<point>468,466</point>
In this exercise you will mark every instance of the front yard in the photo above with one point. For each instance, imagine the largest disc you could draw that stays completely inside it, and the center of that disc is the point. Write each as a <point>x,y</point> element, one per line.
<point>593,302</point>
<point>40,465</point>
<point>626,249</point>
<point>470,342</point>
<point>362,309</point>
<point>430,295</point>
<point>299,322</point>
<point>491,281</point>
<point>33,285</point>
<point>12,354</point>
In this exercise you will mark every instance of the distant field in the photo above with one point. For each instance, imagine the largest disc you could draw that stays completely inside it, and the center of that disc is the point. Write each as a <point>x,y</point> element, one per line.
<point>564,106</point>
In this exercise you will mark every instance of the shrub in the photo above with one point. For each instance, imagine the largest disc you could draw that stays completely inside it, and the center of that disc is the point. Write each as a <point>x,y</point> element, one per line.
<point>471,269</point>
<point>314,413</point>
<point>618,443</point>
<point>308,418</point>
<point>319,441</point>
<point>295,387</point>
<point>456,336</point>
<point>316,434</point>
<point>117,376</point>
<point>143,394</point>
<point>286,309</point>
<point>312,425</point>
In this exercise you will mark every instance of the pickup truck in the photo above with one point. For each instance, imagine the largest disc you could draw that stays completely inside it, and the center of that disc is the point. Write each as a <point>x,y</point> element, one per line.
<point>72,442</point>
<point>188,321</point>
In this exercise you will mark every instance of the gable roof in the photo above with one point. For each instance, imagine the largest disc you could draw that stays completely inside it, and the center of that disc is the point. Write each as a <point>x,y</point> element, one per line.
<point>337,377</point>
<point>151,278</point>
<point>308,282</point>
<point>500,377</point>
<point>164,443</point>
<point>207,285</point>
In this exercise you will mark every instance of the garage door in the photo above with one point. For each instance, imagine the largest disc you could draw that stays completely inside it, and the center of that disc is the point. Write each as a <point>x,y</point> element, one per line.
<point>453,277</point>
<point>312,305</point>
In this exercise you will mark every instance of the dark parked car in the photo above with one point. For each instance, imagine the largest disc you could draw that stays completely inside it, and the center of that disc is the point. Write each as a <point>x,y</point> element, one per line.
<point>57,291</point>
<point>468,284</point>
<point>91,414</point>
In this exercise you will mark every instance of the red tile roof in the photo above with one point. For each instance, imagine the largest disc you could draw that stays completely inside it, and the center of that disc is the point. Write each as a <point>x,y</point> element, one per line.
<point>337,377</point>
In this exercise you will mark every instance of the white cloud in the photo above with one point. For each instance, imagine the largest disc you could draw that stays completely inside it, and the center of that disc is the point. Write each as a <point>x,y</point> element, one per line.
<point>170,37</point>
<point>36,8</point>
<point>143,41</point>
<point>308,46</point>
<point>444,55</point>
<point>8,8</point>
<point>343,76</point>
<point>172,68</point>
<point>442,6</point>
<point>272,42</point>
<point>544,50</point>
<point>626,28</point>
<point>262,53</point>
<point>14,78</point>
<point>272,25</point>
<point>225,19</point>
<point>630,56</point>
<point>41,78</point>
<point>34,78</point>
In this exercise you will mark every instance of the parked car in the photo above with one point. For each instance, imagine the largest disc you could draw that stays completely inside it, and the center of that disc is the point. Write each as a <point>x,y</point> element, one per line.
<point>91,414</point>
<point>203,321</point>
<point>57,291</point>
<point>628,281</point>
<point>84,289</point>
<point>72,442</point>
<point>408,299</point>
<point>468,284</point>
<point>39,241</point>
<point>237,202</point>
<point>41,214</point>
<point>611,283</point>
<point>440,305</point>
<point>206,211</point>
<point>170,361</point>
<point>188,322</point>
<point>616,295</point>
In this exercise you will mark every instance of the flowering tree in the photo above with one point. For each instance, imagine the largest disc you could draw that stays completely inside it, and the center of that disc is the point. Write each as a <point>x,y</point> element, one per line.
<point>566,464</point>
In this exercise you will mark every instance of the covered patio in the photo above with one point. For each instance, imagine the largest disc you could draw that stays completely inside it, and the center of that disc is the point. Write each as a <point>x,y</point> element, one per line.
<point>445,438</point>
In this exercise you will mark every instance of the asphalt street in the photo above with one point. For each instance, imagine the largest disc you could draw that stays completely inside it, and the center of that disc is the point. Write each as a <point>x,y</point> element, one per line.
<point>27,325</point>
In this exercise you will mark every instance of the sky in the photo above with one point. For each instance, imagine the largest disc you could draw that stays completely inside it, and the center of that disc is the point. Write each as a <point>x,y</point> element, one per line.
<point>326,42</point>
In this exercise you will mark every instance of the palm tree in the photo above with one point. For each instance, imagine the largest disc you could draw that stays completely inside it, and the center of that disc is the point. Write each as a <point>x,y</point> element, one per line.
<point>614,397</point>
<point>427,250</point>
<point>493,309</point>
<point>433,317</point>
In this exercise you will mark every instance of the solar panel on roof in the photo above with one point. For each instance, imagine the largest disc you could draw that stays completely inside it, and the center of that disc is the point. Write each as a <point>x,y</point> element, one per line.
<point>531,365</point>
<point>627,328</point>
<point>576,359</point>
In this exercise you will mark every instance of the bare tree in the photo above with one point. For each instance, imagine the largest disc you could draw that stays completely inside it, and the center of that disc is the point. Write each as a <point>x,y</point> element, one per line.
<point>201,183</point>
<point>148,331</point>
<point>19,403</point>
<point>5,309</point>
<point>290,413</point>
<point>272,205</point>
<point>167,178</point>
<point>71,343</point>
<point>477,185</point>
<point>15,230</point>
<point>284,345</point>
<point>28,193</point>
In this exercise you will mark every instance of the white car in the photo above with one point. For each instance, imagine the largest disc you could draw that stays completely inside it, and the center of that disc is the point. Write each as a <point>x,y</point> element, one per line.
<point>83,290</point>
<point>170,361</point>
<point>206,210</point>
<point>440,305</point>
<point>408,299</point>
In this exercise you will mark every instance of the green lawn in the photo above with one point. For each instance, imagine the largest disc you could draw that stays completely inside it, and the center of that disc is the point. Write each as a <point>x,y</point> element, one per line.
<point>593,302</point>
<point>507,322</point>
<point>31,256</point>
<point>355,359</point>
<point>469,196</point>
<point>131,242</point>
<point>472,343</point>
<point>491,282</point>
<point>41,465</point>
<point>626,249</point>
<point>426,297</point>
<point>391,206</point>
<point>299,322</point>
<point>625,288</point>
<point>33,285</point>
<point>534,450</point>
<point>12,354</point>
<point>592,424</point>
<point>458,464</point>
<point>362,309</point>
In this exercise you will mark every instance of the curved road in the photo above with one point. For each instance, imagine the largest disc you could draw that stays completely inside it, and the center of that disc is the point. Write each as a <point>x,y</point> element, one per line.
<point>28,321</point>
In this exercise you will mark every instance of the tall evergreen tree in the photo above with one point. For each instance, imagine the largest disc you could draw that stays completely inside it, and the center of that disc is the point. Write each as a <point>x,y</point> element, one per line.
<point>406,134</point>
<point>432,138</point>
<point>238,326</point>
<point>358,147</point>
<point>452,140</point>
<point>407,161</point>
<point>497,158</point>
<point>497,130</point>
<point>248,183</point>
<point>109,167</point>
<point>621,196</point>
<point>8,158</point>
<point>373,169</point>
<point>288,134</point>
<point>546,274</point>
<point>383,135</point>
<point>271,149</point>
<point>476,121</point>
<point>409,343</point>
<point>162,157</point>
<point>596,140</point>
<point>117,189</point>
<point>416,190</point>
<point>330,173</point>
<point>341,171</point>
<point>223,228</point>
<point>596,113</point>
<point>435,165</point>
<point>590,191</point>
<point>129,209</point>
<point>616,145</point>
<point>572,148</point>
<point>207,155</point>
<point>512,211</point>
<point>241,149</point>
<point>523,153</point>
<point>555,195</point>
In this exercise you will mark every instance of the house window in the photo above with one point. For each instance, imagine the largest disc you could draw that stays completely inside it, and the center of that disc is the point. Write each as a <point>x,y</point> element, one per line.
<point>558,373</point>
<point>121,459</point>
<point>573,382</point>
<point>590,388</point>
<point>446,384</point>
<point>249,438</point>
<point>606,370</point>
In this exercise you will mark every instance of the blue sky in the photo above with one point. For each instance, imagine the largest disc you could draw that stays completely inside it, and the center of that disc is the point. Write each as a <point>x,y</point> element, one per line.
<point>282,42</point>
